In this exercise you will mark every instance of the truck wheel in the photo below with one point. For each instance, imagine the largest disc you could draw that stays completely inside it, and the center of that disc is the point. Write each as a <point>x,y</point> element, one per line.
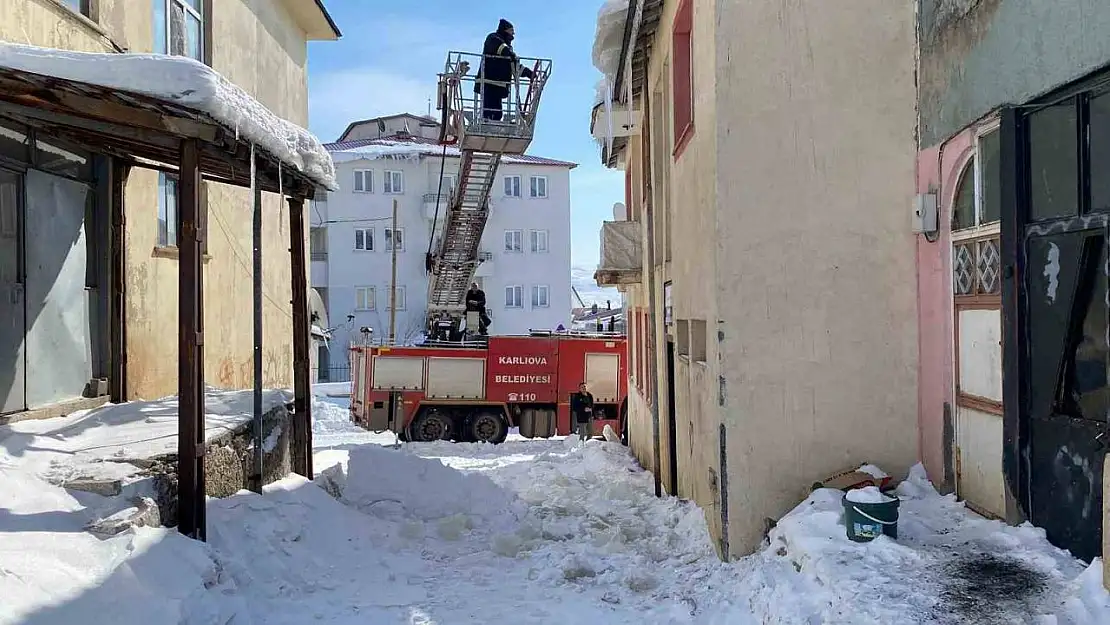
<point>430,425</point>
<point>489,427</point>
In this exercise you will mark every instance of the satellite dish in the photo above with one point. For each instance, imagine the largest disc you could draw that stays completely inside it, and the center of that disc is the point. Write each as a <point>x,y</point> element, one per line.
<point>620,212</point>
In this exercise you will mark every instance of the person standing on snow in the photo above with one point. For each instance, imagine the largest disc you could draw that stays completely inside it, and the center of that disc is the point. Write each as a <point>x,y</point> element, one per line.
<point>499,64</point>
<point>582,407</point>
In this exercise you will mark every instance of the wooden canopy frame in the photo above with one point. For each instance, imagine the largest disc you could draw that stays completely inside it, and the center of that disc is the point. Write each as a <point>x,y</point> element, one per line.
<point>137,130</point>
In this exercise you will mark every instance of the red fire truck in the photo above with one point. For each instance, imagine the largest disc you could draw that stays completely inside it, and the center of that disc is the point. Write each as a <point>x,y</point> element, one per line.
<point>460,392</point>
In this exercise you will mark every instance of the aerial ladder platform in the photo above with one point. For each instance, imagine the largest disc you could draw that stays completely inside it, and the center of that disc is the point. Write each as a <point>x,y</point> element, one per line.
<point>482,142</point>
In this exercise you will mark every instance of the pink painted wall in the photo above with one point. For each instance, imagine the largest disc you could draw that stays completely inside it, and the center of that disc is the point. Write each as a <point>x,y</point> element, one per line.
<point>939,168</point>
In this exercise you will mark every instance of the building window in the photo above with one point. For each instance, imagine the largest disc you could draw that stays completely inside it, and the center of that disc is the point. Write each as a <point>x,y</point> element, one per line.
<point>977,200</point>
<point>364,298</point>
<point>682,77</point>
<point>394,236</point>
<point>318,243</point>
<point>539,241</point>
<point>394,182</point>
<point>400,295</point>
<point>514,240</point>
<point>514,296</point>
<point>84,7</point>
<point>540,296</point>
<point>537,187</point>
<point>512,186</point>
<point>167,210</point>
<point>179,28</point>
<point>364,239</point>
<point>364,181</point>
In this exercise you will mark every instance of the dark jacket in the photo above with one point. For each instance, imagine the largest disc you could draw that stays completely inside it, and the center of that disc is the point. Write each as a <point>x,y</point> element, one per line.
<point>475,300</point>
<point>579,402</point>
<point>498,62</point>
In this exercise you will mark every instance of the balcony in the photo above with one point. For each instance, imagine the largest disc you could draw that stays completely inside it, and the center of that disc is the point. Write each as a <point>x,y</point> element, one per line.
<point>621,258</point>
<point>485,265</point>
<point>430,204</point>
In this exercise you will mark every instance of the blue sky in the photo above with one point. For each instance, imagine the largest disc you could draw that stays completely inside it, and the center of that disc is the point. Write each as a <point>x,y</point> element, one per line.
<point>389,56</point>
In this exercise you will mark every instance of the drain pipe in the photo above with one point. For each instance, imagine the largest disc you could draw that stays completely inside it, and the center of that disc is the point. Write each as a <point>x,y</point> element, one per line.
<point>649,216</point>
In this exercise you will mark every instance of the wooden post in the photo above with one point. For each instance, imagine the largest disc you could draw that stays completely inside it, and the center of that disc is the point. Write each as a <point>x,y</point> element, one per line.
<point>256,199</point>
<point>190,380</point>
<point>117,303</point>
<point>302,406</point>
<point>393,279</point>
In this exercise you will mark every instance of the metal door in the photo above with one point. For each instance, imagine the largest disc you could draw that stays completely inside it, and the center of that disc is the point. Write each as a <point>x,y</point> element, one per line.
<point>1068,395</point>
<point>13,327</point>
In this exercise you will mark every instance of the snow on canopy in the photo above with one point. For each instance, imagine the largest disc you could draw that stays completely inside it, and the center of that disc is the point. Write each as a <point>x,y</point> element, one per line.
<point>189,83</point>
<point>609,36</point>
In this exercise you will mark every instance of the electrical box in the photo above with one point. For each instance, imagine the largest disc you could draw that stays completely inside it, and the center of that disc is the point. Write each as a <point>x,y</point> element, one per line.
<point>924,213</point>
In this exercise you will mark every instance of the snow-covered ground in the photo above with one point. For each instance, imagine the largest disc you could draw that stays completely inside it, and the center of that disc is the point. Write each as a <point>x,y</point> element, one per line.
<point>523,532</point>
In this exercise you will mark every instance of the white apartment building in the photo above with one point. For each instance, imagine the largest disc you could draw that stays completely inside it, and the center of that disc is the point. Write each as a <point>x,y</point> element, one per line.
<point>526,271</point>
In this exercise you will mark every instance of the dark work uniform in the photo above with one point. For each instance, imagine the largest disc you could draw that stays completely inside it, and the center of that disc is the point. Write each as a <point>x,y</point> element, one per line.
<point>496,73</point>
<point>581,407</point>
<point>476,302</point>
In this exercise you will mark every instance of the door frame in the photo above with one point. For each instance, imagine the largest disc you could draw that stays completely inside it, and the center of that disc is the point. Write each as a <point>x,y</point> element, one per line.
<point>1016,229</point>
<point>672,419</point>
<point>21,266</point>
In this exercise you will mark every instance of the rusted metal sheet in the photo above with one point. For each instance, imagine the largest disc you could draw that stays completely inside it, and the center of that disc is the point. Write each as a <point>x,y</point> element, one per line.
<point>191,493</point>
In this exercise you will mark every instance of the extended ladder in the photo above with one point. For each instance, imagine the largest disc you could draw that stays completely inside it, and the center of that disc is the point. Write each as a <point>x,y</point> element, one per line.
<point>481,142</point>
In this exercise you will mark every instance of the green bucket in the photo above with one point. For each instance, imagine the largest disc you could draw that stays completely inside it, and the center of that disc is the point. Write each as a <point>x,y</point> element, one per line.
<point>865,521</point>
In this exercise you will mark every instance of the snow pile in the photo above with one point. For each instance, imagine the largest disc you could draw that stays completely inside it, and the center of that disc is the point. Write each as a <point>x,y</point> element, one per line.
<point>398,484</point>
<point>52,572</point>
<point>873,471</point>
<point>99,443</point>
<point>947,566</point>
<point>329,417</point>
<point>188,83</point>
<point>609,36</point>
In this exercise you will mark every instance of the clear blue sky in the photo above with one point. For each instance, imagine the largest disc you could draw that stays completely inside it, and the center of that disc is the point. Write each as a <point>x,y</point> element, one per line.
<point>389,56</point>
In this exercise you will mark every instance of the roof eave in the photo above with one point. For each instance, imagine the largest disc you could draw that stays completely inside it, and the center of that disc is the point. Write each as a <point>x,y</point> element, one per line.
<point>314,19</point>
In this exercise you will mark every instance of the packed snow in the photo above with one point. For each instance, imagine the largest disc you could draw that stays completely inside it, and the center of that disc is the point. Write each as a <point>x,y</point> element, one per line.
<point>529,531</point>
<point>873,471</point>
<point>98,443</point>
<point>868,494</point>
<point>609,36</point>
<point>188,83</point>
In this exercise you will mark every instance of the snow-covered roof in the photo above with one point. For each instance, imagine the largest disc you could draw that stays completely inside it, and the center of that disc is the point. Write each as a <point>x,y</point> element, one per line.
<point>609,37</point>
<point>413,147</point>
<point>187,83</point>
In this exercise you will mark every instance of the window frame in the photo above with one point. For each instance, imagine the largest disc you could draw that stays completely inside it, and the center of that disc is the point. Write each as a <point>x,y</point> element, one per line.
<point>388,186</point>
<point>363,176</point>
<point>973,166</point>
<point>84,8</point>
<point>518,293</point>
<point>533,188</point>
<point>536,290</point>
<point>682,76</point>
<point>388,239</point>
<point>367,235</point>
<point>508,187</point>
<point>360,292</point>
<point>519,236</point>
<point>534,239</point>
<point>402,297</point>
<point>201,15</point>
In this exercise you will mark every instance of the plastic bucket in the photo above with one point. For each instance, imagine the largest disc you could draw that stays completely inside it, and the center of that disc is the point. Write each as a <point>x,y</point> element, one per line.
<point>865,521</point>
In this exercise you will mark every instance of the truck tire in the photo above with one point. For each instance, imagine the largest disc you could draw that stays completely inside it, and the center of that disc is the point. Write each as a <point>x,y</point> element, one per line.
<point>430,425</point>
<point>489,427</point>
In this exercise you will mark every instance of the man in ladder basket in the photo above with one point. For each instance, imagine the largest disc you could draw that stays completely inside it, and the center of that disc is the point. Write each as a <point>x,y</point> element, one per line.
<point>499,64</point>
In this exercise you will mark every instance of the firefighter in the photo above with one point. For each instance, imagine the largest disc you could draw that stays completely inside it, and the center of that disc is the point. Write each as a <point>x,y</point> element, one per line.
<point>476,302</point>
<point>582,407</point>
<point>499,64</point>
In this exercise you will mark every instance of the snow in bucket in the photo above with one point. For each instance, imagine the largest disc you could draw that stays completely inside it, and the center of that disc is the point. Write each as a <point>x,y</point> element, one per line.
<point>869,513</point>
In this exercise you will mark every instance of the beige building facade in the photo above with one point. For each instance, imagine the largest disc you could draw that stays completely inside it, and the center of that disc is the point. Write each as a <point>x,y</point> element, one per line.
<point>260,46</point>
<point>769,153</point>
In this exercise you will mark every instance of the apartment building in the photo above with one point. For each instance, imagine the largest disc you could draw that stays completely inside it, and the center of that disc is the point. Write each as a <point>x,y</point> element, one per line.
<point>525,258</point>
<point>766,259</point>
<point>110,311</point>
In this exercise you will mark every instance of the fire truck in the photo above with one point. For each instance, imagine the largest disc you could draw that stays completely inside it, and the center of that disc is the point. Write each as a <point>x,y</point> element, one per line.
<point>476,392</point>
